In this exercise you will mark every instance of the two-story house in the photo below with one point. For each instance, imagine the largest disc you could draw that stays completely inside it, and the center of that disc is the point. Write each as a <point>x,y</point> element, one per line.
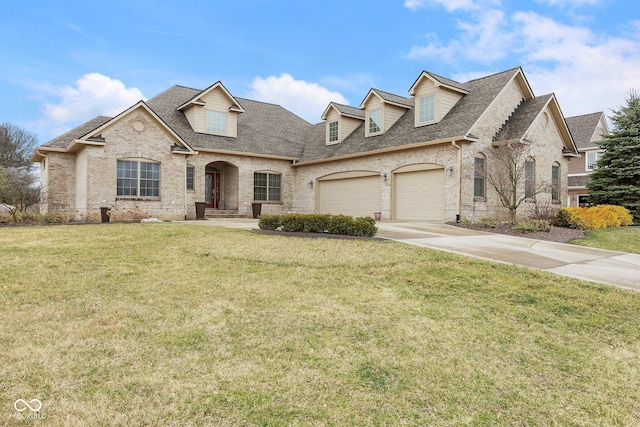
<point>587,130</point>
<point>415,157</point>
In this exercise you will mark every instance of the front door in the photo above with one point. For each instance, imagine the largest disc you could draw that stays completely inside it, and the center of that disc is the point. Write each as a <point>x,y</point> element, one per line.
<point>212,190</point>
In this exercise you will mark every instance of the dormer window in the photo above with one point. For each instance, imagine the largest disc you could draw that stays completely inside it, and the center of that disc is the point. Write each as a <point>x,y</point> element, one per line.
<point>333,131</point>
<point>427,109</point>
<point>375,121</point>
<point>216,122</point>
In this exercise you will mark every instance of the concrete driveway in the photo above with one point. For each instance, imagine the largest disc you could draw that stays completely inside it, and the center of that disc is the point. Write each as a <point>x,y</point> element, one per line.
<point>596,265</point>
<point>614,268</point>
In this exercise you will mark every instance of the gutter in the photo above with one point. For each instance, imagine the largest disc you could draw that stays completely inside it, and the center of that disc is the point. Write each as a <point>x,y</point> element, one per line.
<point>387,150</point>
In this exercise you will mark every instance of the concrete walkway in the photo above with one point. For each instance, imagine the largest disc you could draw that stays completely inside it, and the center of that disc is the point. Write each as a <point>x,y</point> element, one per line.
<point>596,265</point>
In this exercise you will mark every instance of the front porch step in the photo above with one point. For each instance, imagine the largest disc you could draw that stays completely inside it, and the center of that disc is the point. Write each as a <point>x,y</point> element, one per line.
<point>223,213</point>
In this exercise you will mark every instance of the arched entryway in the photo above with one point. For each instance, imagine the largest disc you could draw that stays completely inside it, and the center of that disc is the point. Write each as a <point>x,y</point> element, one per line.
<point>221,186</point>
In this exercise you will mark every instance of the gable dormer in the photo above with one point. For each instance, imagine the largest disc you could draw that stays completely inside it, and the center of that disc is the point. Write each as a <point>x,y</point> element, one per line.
<point>213,111</point>
<point>341,121</point>
<point>382,110</point>
<point>434,97</point>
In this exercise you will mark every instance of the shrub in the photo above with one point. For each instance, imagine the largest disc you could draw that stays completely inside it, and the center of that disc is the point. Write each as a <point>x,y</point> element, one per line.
<point>29,218</point>
<point>595,217</point>
<point>320,223</point>
<point>533,225</point>
<point>488,222</point>
<point>269,222</point>
<point>614,216</point>
<point>57,218</point>
<point>316,223</point>
<point>339,224</point>
<point>292,222</point>
<point>542,209</point>
<point>364,226</point>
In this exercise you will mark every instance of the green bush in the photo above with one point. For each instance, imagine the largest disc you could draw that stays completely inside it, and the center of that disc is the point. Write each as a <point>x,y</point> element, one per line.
<point>363,226</point>
<point>292,222</point>
<point>269,222</point>
<point>316,223</point>
<point>29,218</point>
<point>595,217</point>
<point>488,222</point>
<point>339,224</point>
<point>320,223</point>
<point>533,225</point>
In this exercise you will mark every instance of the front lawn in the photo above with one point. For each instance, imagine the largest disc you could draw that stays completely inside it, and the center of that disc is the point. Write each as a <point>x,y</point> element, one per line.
<point>624,239</point>
<point>174,324</point>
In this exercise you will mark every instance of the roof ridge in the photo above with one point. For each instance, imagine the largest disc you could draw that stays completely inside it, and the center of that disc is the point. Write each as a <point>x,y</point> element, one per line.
<point>493,74</point>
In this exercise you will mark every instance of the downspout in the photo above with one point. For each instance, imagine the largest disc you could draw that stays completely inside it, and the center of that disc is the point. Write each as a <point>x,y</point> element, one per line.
<point>184,182</point>
<point>453,142</point>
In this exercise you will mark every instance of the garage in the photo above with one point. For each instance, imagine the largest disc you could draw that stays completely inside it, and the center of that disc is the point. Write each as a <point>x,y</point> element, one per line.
<point>349,193</point>
<point>419,195</point>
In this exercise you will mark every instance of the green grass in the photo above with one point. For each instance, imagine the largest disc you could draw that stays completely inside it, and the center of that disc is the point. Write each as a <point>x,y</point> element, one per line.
<point>175,324</point>
<point>624,239</point>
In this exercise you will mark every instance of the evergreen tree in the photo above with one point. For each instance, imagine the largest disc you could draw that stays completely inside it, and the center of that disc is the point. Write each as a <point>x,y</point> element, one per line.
<point>617,178</point>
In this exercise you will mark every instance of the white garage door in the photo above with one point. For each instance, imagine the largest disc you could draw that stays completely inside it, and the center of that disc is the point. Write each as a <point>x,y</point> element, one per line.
<point>350,196</point>
<point>419,195</point>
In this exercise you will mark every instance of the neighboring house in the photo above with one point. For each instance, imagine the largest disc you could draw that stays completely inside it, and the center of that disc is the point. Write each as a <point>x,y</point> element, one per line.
<point>587,130</point>
<point>410,158</point>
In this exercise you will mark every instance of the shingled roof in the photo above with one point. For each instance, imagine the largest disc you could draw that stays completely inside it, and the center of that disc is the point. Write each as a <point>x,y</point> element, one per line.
<point>458,122</point>
<point>65,139</point>
<point>263,129</point>
<point>522,119</point>
<point>582,129</point>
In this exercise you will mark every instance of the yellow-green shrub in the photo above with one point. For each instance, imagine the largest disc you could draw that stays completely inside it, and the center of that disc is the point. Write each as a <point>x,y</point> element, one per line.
<point>593,218</point>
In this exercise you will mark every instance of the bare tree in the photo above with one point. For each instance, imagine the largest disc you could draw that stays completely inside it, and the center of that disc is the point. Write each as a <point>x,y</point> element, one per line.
<point>18,189</point>
<point>511,173</point>
<point>16,146</point>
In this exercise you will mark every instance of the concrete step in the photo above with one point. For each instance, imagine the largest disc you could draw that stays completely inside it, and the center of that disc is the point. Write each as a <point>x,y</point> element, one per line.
<point>223,213</point>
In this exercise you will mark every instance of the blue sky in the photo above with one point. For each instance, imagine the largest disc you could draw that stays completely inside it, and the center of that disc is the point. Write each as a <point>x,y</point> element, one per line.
<point>64,62</point>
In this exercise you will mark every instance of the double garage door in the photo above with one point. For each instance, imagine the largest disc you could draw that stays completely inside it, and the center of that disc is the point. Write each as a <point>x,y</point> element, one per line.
<point>416,195</point>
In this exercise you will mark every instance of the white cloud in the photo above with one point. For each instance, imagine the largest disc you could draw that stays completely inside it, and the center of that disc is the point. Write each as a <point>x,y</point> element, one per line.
<point>450,5</point>
<point>484,40</point>
<point>587,70</point>
<point>570,3</point>
<point>308,100</point>
<point>94,95</point>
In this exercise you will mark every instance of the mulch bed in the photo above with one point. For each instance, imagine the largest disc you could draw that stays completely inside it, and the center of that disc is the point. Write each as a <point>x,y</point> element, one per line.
<point>557,234</point>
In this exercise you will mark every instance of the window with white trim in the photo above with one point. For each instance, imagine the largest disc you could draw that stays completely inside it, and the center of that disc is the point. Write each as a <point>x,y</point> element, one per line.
<point>592,158</point>
<point>138,179</point>
<point>427,109</point>
<point>333,131</point>
<point>267,187</point>
<point>191,171</point>
<point>216,122</point>
<point>375,121</point>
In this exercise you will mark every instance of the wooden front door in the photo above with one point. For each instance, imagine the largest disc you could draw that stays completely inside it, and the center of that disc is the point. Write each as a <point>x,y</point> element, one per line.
<point>212,190</point>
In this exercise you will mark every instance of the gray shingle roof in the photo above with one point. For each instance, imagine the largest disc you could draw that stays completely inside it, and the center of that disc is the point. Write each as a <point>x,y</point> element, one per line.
<point>268,129</point>
<point>394,99</point>
<point>522,119</point>
<point>448,82</point>
<point>456,123</point>
<point>348,110</point>
<point>582,129</point>
<point>64,140</point>
<point>263,128</point>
